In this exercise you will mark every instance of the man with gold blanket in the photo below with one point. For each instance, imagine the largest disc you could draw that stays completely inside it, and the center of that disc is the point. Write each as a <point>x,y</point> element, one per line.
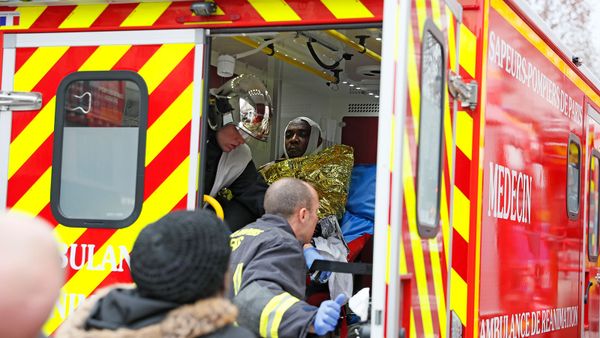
<point>329,172</point>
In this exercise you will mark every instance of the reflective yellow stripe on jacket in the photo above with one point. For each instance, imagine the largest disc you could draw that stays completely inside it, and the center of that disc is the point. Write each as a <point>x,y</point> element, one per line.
<point>272,314</point>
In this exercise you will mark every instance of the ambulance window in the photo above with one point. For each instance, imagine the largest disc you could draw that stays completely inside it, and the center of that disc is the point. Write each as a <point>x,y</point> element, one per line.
<point>430,130</point>
<point>99,142</point>
<point>573,165</point>
<point>593,215</point>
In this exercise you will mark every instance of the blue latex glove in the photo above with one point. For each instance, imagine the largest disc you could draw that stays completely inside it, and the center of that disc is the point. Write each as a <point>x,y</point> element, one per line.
<point>310,255</point>
<point>328,314</point>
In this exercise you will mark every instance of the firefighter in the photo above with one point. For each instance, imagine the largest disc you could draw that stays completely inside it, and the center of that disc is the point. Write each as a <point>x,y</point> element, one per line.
<point>30,275</point>
<point>269,266</point>
<point>238,109</point>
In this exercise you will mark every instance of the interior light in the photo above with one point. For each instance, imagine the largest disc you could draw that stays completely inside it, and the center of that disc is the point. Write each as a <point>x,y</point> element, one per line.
<point>351,85</point>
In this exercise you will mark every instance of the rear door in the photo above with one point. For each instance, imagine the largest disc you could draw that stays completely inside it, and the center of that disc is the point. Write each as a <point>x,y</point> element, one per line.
<point>591,245</point>
<point>113,148</point>
<point>415,170</point>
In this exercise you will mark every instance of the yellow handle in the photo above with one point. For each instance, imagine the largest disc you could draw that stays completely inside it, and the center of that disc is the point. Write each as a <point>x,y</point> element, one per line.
<point>215,205</point>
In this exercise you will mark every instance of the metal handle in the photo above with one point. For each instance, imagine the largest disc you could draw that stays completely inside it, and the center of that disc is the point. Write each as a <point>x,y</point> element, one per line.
<point>17,101</point>
<point>89,106</point>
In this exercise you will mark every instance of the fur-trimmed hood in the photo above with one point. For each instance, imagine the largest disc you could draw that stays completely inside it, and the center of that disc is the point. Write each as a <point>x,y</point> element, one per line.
<point>187,321</point>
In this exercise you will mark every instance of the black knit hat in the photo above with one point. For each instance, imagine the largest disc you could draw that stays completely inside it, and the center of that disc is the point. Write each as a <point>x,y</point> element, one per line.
<point>182,257</point>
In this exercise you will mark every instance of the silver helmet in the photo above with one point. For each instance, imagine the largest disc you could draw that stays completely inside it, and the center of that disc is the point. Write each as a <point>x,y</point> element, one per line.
<point>243,101</point>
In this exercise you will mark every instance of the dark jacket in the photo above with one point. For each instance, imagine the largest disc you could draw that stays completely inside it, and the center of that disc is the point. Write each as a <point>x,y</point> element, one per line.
<point>248,189</point>
<point>119,312</point>
<point>269,279</point>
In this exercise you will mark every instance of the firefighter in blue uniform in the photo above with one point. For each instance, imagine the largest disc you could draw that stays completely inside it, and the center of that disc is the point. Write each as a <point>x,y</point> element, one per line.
<point>269,266</point>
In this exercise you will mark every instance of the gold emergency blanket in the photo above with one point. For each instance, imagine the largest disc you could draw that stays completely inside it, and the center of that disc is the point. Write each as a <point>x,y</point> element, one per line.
<point>328,171</point>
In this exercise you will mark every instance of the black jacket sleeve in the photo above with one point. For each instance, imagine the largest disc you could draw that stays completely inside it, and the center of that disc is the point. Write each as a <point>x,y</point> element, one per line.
<point>269,295</point>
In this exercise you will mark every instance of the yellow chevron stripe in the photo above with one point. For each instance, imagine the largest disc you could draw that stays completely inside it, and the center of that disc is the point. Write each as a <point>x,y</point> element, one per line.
<point>162,63</point>
<point>31,138</point>
<point>417,247</point>
<point>421,10</point>
<point>438,284</point>
<point>414,90</point>
<point>462,214</point>
<point>28,16</point>
<point>68,235</point>
<point>517,23</point>
<point>83,16</point>
<point>42,126</point>
<point>468,50</point>
<point>163,200</point>
<point>445,219</point>
<point>464,133</point>
<point>31,202</point>
<point>459,296</point>
<point>413,329</point>
<point>347,9</point>
<point>219,11</point>
<point>436,13</point>
<point>451,39</point>
<point>145,14</point>
<point>104,57</point>
<point>403,266</point>
<point>38,64</point>
<point>274,10</point>
<point>169,124</point>
<point>388,253</point>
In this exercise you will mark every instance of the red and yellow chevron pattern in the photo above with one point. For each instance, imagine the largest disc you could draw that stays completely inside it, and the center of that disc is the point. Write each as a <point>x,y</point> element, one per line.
<point>427,259</point>
<point>90,254</point>
<point>230,13</point>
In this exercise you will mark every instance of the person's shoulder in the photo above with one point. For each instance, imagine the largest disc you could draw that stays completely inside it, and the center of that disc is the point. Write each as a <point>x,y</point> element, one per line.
<point>230,331</point>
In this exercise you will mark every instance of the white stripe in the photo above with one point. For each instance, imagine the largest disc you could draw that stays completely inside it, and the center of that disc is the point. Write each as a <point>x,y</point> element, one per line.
<point>8,72</point>
<point>108,38</point>
<point>195,132</point>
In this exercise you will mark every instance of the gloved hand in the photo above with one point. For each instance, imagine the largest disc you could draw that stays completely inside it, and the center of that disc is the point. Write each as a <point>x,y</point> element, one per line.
<point>328,314</point>
<point>321,277</point>
<point>310,255</point>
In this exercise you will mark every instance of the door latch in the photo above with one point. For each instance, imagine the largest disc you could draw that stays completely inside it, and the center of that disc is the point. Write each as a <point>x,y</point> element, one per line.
<point>466,93</point>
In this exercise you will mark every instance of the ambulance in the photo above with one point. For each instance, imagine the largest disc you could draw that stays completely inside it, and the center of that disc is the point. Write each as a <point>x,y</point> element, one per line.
<point>482,129</point>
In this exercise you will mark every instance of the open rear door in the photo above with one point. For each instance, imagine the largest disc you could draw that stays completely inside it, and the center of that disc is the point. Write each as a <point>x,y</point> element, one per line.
<point>414,170</point>
<point>113,147</point>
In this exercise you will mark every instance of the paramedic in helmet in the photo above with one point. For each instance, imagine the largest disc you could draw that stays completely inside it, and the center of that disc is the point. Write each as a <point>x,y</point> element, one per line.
<point>239,108</point>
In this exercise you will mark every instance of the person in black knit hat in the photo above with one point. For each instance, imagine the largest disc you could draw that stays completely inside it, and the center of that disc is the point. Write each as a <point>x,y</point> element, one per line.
<point>179,265</point>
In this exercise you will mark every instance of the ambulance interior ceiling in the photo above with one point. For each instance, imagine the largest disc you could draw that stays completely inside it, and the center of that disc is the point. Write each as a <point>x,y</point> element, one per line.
<point>293,84</point>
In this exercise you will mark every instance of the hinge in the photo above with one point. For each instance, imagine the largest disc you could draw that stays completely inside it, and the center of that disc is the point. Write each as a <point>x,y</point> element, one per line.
<point>16,101</point>
<point>466,93</point>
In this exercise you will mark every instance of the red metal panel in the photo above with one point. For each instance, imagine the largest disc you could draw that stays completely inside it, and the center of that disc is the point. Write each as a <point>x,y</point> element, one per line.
<point>532,266</point>
<point>361,134</point>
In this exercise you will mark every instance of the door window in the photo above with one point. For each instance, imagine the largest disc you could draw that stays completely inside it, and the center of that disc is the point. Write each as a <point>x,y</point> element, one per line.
<point>573,171</point>
<point>100,136</point>
<point>429,165</point>
<point>593,209</point>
